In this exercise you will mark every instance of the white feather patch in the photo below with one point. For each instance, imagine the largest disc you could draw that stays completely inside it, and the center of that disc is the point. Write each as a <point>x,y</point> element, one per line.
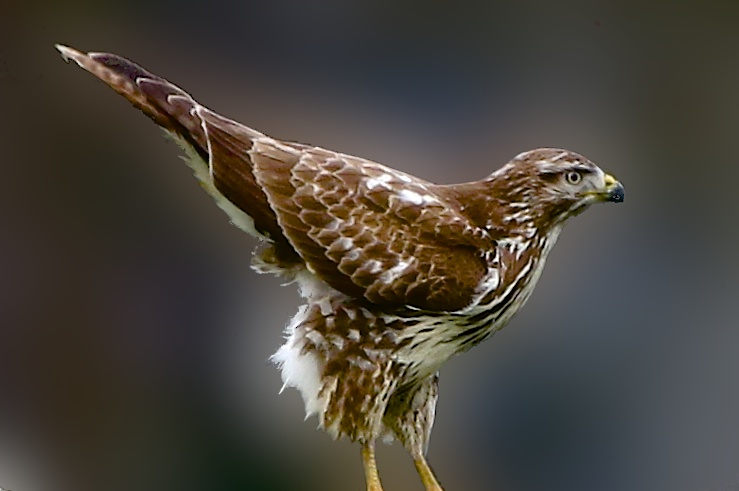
<point>201,170</point>
<point>301,368</point>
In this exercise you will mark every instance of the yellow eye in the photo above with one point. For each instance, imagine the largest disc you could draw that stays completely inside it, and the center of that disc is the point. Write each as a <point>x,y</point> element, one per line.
<point>573,177</point>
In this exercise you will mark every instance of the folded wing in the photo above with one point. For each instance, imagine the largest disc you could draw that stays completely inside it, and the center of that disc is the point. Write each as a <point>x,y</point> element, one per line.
<point>367,230</point>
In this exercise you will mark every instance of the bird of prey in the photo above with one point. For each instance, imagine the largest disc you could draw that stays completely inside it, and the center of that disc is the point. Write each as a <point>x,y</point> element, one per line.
<point>398,274</point>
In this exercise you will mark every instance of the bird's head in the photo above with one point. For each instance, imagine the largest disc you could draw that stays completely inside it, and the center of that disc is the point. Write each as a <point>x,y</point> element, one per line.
<point>549,185</point>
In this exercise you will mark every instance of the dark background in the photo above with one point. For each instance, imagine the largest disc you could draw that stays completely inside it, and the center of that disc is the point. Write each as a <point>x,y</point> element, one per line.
<point>134,338</point>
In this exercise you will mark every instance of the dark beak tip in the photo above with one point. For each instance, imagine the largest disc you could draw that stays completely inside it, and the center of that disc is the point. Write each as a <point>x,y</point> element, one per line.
<point>617,195</point>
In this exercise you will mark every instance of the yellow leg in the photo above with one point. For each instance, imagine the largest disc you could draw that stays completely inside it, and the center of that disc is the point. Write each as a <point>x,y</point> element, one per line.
<point>370,467</point>
<point>427,475</point>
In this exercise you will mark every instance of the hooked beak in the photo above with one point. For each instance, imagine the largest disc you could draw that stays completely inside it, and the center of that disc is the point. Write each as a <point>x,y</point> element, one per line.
<point>613,190</point>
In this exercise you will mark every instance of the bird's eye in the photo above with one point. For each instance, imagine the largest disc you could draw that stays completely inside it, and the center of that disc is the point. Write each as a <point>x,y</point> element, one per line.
<point>573,177</point>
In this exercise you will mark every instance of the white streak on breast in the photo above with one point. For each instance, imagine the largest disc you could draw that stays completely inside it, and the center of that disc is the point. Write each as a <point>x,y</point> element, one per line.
<point>490,282</point>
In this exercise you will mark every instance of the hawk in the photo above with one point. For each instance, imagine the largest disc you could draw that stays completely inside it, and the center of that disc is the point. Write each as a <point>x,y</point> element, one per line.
<point>398,274</point>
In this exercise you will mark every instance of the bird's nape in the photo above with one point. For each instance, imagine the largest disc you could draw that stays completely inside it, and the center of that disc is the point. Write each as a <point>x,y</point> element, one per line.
<point>398,274</point>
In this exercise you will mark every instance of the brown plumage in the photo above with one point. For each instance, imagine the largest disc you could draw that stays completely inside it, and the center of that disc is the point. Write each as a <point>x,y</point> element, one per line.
<point>399,274</point>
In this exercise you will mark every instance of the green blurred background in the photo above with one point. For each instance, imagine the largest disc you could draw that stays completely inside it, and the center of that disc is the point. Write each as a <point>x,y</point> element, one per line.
<point>134,338</point>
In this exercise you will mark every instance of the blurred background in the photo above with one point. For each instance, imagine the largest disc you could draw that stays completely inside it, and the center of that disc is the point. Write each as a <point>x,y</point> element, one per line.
<point>134,338</point>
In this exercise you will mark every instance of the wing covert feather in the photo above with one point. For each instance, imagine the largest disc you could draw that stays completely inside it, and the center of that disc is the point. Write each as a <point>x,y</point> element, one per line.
<point>370,231</point>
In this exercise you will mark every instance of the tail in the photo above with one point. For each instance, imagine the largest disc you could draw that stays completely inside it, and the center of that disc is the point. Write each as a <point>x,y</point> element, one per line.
<point>217,147</point>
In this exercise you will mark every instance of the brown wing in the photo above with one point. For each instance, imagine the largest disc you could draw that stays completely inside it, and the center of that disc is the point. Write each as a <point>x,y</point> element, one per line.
<point>365,229</point>
<point>369,230</point>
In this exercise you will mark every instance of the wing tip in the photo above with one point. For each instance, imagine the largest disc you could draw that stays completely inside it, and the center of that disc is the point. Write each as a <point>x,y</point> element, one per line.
<point>70,54</point>
<point>67,52</point>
